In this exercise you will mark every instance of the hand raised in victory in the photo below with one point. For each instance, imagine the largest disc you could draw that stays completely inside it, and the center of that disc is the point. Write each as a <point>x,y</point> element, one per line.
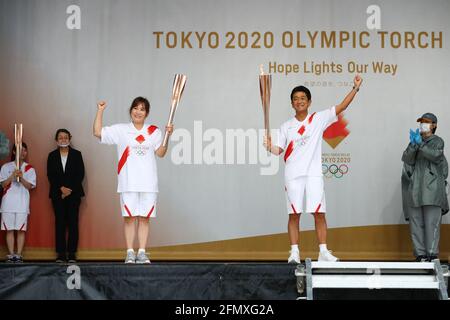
<point>357,81</point>
<point>101,105</point>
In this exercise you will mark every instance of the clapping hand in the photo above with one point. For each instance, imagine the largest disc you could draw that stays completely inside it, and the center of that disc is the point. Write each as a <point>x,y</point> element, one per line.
<point>412,136</point>
<point>415,137</point>
<point>418,137</point>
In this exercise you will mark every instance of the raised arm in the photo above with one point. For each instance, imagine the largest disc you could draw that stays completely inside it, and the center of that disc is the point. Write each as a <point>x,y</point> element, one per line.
<point>349,98</point>
<point>98,121</point>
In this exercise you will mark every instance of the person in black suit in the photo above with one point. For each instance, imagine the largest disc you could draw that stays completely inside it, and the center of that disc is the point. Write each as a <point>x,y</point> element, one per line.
<point>65,172</point>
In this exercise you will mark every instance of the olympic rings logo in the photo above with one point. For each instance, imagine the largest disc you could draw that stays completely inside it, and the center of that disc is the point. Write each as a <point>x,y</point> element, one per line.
<point>140,152</point>
<point>333,170</point>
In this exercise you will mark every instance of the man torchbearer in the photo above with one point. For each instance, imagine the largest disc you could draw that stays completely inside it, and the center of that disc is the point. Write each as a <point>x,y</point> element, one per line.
<point>300,139</point>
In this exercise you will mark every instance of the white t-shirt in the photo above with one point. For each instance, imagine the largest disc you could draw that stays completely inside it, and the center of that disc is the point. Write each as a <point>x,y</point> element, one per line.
<point>302,143</point>
<point>16,198</point>
<point>136,153</point>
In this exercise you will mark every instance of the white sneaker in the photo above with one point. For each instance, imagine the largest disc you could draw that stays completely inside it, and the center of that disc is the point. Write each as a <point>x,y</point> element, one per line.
<point>294,256</point>
<point>142,258</point>
<point>327,256</point>
<point>131,257</point>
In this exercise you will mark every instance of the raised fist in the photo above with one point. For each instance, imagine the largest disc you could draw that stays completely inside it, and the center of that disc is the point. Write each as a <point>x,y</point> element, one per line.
<point>357,81</point>
<point>101,105</point>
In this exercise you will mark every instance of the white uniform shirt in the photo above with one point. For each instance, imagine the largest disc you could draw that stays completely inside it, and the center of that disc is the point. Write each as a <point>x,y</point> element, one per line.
<point>136,153</point>
<point>16,198</point>
<point>302,143</point>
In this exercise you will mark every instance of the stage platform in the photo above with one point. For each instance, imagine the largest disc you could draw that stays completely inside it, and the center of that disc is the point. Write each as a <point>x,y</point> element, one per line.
<point>159,280</point>
<point>168,281</point>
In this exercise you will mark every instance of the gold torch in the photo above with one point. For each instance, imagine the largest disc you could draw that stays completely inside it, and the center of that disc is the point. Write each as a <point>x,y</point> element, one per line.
<point>265,84</point>
<point>178,86</point>
<point>18,132</point>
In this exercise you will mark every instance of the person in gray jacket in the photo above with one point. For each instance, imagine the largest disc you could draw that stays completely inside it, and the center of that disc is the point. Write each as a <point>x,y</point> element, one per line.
<point>425,170</point>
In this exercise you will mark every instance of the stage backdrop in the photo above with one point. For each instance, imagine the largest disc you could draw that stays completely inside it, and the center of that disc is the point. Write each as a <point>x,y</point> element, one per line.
<point>221,196</point>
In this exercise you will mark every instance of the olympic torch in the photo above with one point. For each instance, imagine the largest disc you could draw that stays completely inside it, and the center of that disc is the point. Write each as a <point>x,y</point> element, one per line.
<point>18,132</point>
<point>265,84</point>
<point>178,86</point>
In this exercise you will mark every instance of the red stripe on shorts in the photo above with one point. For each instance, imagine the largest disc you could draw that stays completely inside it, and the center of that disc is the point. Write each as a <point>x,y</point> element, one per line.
<point>150,213</point>
<point>317,209</point>
<point>4,225</point>
<point>292,206</point>
<point>22,227</point>
<point>127,210</point>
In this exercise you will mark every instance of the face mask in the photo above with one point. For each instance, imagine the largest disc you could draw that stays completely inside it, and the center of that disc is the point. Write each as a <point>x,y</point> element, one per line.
<point>63,145</point>
<point>425,127</point>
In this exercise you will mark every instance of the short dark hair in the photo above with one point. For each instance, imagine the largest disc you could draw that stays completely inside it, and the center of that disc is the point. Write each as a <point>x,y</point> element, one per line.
<point>140,100</point>
<point>301,89</point>
<point>13,151</point>
<point>64,131</point>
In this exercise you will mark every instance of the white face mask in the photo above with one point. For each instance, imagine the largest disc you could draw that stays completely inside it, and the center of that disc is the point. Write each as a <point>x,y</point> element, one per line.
<point>63,145</point>
<point>425,127</point>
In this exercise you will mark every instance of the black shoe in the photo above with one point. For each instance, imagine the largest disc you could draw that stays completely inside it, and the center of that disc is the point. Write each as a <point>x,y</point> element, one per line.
<point>72,258</point>
<point>19,258</point>
<point>431,258</point>
<point>60,258</point>
<point>10,258</point>
<point>421,259</point>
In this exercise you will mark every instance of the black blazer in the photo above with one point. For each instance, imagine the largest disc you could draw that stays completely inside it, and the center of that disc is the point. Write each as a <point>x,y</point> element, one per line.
<point>71,178</point>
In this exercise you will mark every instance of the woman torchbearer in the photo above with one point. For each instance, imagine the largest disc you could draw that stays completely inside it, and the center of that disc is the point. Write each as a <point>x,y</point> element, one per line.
<point>137,144</point>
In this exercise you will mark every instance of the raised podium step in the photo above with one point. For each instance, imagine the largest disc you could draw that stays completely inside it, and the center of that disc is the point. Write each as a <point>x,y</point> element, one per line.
<point>426,279</point>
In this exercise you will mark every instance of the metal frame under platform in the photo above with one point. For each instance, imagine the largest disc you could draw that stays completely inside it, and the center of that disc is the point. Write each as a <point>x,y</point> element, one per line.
<point>372,276</point>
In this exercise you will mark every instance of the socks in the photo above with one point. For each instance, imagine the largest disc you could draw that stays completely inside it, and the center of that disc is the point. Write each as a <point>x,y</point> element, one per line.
<point>294,247</point>
<point>323,247</point>
<point>139,251</point>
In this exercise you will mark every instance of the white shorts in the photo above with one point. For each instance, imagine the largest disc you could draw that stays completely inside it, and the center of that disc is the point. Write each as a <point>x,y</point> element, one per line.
<point>315,195</point>
<point>138,204</point>
<point>14,221</point>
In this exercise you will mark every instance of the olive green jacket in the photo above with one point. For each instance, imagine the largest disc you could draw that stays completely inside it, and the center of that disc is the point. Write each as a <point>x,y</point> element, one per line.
<point>424,175</point>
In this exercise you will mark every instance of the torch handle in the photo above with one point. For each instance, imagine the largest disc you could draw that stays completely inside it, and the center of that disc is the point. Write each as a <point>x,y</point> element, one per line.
<point>18,132</point>
<point>170,121</point>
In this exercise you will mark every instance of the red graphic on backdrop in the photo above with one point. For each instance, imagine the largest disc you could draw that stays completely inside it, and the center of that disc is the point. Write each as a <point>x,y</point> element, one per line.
<point>337,132</point>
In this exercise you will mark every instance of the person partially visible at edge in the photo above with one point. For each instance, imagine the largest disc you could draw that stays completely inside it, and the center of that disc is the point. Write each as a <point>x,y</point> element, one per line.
<point>15,206</point>
<point>424,180</point>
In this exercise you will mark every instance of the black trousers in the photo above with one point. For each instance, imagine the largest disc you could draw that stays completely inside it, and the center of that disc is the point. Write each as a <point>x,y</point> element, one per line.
<point>66,220</point>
